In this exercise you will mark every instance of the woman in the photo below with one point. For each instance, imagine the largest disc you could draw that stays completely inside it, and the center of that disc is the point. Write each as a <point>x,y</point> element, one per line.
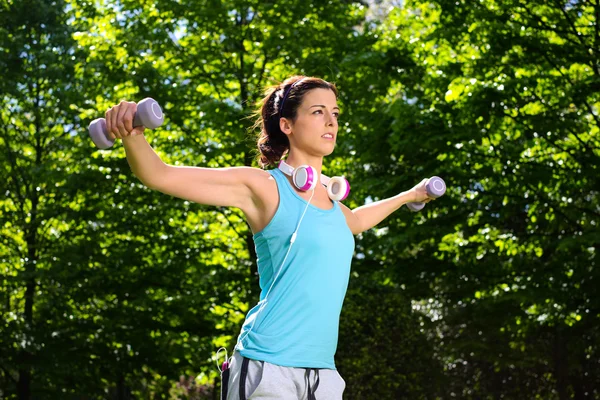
<point>302,232</point>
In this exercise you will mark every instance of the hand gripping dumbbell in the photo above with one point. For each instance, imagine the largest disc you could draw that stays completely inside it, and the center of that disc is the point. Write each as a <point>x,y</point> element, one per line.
<point>435,186</point>
<point>148,114</point>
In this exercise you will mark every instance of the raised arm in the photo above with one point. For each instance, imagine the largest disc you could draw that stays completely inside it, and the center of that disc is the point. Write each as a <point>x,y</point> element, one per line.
<point>366,217</point>
<point>209,186</point>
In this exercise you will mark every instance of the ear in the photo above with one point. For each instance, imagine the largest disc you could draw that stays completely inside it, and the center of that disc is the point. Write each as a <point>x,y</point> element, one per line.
<point>285,125</point>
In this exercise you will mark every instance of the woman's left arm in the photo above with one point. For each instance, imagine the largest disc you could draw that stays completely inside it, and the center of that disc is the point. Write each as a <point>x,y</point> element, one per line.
<point>366,217</point>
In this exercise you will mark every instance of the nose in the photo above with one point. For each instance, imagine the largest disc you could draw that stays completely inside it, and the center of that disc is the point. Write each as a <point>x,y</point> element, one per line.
<point>331,121</point>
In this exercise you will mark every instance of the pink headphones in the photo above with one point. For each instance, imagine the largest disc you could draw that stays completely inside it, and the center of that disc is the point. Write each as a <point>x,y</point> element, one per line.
<point>305,178</point>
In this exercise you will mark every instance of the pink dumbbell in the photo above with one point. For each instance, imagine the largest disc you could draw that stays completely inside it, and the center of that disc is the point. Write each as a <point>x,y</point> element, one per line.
<point>436,187</point>
<point>148,114</point>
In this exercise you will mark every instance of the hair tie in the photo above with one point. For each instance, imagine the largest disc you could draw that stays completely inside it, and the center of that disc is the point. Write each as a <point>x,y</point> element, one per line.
<point>285,95</point>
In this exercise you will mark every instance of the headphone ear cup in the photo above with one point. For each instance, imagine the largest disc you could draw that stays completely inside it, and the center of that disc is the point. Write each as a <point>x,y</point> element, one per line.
<point>305,177</point>
<point>338,188</point>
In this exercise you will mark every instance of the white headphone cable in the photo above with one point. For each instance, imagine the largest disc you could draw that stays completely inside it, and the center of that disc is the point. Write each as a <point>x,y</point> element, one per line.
<point>264,302</point>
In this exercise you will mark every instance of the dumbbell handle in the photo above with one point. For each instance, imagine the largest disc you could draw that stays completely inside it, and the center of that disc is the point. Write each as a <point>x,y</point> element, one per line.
<point>148,114</point>
<point>435,186</point>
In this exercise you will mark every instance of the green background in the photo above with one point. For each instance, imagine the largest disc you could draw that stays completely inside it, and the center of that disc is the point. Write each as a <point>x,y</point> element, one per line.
<point>111,291</point>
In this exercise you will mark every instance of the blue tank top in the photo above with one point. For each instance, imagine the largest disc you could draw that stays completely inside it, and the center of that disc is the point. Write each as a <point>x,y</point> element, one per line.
<point>298,325</point>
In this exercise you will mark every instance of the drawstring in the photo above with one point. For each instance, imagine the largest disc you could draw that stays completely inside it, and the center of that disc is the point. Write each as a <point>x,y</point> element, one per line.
<point>225,363</point>
<point>224,370</point>
<point>312,391</point>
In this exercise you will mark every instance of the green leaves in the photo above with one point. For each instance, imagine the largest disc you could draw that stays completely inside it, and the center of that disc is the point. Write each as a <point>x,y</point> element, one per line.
<point>129,287</point>
<point>493,283</point>
<point>500,113</point>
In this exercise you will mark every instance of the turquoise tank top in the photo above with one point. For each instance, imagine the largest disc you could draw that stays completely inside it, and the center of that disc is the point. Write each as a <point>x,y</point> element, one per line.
<point>298,324</point>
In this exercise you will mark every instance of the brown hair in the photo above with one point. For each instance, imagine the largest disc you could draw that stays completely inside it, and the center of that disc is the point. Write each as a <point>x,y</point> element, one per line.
<point>273,144</point>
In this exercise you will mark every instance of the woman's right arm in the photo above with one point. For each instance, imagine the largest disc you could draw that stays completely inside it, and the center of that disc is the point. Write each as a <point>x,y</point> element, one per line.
<point>210,186</point>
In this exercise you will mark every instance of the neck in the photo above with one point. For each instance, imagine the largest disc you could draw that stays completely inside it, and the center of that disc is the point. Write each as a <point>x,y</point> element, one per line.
<point>296,159</point>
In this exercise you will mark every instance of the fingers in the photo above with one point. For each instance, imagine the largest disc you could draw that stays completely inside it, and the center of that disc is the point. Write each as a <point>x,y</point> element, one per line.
<point>128,117</point>
<point>113,121</point>
<point>120,123</point>
<point>119,119</point>
<point>125,118</point>
<point>108,119</point>
<point>129,121</point>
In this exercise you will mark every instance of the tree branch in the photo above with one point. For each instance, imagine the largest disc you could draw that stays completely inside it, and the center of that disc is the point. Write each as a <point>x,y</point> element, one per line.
<point>570,22</point>
<point>590,109</point>
<point>548,28</point>
<point>556,208</point>
<point>578,34</point>
<point>584,144</point>
<point>530,129</point>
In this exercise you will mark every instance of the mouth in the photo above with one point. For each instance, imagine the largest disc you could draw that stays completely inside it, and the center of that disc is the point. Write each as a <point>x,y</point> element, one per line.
<point>328,136</point>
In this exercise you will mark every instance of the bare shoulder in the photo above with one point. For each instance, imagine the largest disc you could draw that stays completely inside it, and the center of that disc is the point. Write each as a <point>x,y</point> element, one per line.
<point>264,199</point>
<point>259,181</point>
<point>255,175</point>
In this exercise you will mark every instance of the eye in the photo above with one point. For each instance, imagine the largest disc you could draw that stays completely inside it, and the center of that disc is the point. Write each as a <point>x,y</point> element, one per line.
<point>318,111</point>
<point>336,115</point>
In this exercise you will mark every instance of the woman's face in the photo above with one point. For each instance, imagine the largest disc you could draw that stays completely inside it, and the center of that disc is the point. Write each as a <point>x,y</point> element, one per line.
<point>316,126</point>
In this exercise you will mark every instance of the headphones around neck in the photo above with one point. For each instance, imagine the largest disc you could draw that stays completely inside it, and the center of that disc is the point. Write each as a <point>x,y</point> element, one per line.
<point>305,178</point>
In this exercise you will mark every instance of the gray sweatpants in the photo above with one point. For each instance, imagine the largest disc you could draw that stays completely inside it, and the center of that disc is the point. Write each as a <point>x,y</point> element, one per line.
<point>263,380</point>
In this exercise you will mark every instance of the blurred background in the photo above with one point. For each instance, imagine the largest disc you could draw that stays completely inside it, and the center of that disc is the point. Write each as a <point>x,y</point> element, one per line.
<point>109,290</point>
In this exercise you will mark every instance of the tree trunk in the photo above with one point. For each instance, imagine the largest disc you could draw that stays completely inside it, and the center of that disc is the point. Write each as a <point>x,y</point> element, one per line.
<point>24,384</point>
<point>561,366</point>
<point>121,388</point>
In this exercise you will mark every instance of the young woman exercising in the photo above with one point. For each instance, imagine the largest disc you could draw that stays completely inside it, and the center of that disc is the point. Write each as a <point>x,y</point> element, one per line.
<point>303,236</point>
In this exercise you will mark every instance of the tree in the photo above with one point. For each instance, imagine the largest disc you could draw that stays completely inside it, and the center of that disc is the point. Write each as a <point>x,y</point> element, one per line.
<point>502,101</point>
<point>132,287</point>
